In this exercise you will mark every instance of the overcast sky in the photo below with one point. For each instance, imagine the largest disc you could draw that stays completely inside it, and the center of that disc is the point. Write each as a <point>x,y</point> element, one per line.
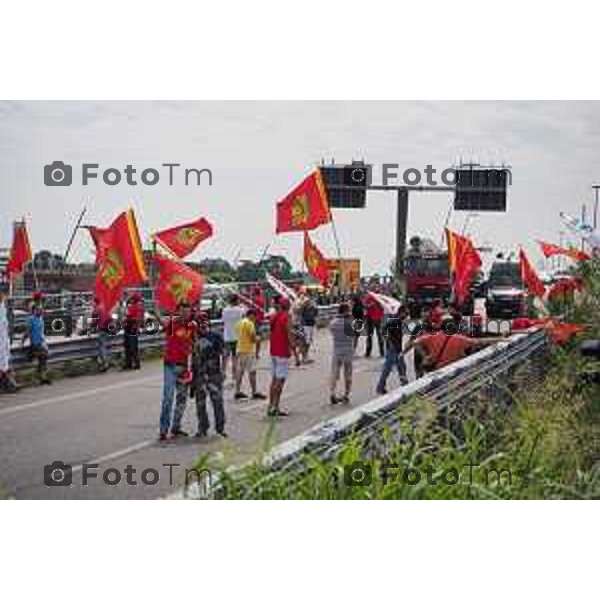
<point>257,151</point>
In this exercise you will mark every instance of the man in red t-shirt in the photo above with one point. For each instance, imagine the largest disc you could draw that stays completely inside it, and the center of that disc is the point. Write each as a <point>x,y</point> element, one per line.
<point>180,332</point>
<point>281,343</point>
<point>374,315</point>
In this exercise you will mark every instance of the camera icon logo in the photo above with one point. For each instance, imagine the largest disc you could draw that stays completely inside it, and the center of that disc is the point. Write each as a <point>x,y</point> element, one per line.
<point>58,173</point>
<point>358,474</point>
<point>58,474</point>
<point>357,175</point>
<point>59,324</point>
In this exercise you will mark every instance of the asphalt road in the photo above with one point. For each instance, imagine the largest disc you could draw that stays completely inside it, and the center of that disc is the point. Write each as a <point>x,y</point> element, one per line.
<point>111,420</point>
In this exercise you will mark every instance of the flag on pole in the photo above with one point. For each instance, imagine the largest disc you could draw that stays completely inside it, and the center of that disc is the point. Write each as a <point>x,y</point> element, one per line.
<point>552,250</point>
<point>184,239</point>
<point>464,263</point>
<point>177,283</point>
<point>281,288</point>
<point>530,278</point>
<point>305,207</point>
<point>316,263</point>
<point>20,252</point>
<point>122,264</point>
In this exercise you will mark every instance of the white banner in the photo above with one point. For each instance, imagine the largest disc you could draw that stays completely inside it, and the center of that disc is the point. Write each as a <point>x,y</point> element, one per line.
<point>390,305</point>
<point>281,288</point>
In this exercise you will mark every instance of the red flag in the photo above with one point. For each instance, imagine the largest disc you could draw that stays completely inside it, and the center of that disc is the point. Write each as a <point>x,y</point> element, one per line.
<point>565,286</point>
<point>177,283</point>
<point>464,262</point>
<point>101,239</point>
<point>530,278</point>
<point>316,263</point>
<point>184,239</point>
<point>305,207</point>
<point>561,333</point>
<point>552,249</point>
<point>20,252</point>
<point>122,264</point>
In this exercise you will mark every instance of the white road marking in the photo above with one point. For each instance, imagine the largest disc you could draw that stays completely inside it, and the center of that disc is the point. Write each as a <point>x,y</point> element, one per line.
<point>116,454</point>
<point>76,395</point>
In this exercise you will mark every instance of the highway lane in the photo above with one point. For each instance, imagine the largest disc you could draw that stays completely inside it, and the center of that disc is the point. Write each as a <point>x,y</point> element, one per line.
<point>111,419</point>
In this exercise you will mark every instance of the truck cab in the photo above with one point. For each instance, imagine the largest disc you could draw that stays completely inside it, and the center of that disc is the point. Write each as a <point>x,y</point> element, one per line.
<point>427,279</point>
<point>506,296</point>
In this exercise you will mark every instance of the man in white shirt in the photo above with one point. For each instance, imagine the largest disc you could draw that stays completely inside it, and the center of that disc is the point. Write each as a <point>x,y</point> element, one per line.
<point>232,314</point>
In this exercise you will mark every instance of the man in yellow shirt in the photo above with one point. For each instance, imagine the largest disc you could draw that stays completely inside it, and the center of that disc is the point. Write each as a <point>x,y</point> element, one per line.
<point>246,355</point>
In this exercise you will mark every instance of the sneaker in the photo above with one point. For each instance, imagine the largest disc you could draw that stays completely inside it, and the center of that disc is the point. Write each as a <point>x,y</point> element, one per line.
<point>222,434</point>
<point>240,396</point>
<point>277,413</point>
<point>179,433</point>
<point>162,437</point>
<point>200,434</point>
<point>258,396</point>
<point>334,399</point>
<point>46,381</point>
<point>345,399</point>
<point>381,391</point>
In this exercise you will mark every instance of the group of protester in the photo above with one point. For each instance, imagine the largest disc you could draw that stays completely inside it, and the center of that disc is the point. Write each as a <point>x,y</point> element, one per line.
<point>197,359</point>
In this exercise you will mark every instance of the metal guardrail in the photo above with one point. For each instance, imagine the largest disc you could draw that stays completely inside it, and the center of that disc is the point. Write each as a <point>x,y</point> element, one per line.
<point>85,347</point>
<point>490,370</point>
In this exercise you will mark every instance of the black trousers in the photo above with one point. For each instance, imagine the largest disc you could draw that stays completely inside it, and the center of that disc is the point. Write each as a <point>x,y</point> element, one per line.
<point>132,351</point>
<point>374,327</point>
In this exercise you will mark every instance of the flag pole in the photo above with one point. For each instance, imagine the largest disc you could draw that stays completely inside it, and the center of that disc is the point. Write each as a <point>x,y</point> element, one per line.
<point>36,284</point>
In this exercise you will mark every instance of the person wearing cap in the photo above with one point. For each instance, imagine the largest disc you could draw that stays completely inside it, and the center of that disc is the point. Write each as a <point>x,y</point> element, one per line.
<point>246,355</point>
<point>281,344</point>
<point>180,332</point>
<point>134,317</point>
<point>207,368</point>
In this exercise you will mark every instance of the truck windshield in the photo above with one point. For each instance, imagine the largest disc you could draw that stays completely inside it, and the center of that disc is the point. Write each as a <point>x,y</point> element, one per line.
<point>506,275</point>
<point>423,266</point>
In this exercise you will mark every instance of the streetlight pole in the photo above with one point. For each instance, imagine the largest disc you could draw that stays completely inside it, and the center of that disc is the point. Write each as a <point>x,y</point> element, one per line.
<point>596,187</point>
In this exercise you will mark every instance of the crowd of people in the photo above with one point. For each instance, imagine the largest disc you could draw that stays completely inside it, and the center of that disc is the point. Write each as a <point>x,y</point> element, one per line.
<point>200,362</point>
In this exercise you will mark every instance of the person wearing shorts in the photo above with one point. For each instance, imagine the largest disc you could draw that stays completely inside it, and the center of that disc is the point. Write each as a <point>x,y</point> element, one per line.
<point>281,343</point>
<point>343,351</point>
<point>246,355</point>
<point>232,314</point>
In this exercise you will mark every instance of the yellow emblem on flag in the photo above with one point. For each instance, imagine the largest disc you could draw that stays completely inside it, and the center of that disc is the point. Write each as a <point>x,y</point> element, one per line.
<point>188,236</point>
<point>312,260</point>
<point>112,270</point>
<point>300,210</point>
<point>179,287</point>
